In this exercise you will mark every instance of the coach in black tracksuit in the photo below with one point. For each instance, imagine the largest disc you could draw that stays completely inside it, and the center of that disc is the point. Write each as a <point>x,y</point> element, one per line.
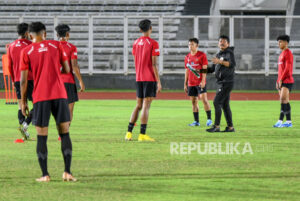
<point>223,66</point>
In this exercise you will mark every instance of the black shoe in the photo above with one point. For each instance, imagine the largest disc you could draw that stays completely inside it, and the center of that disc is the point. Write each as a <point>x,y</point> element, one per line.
<point>213,129</point>
<point>228,130</point>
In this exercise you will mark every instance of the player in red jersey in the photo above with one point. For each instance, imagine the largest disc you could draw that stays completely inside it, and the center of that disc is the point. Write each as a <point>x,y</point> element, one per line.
<point>194,86</point>
<point>46,58</point>
<point>63,34</point>
<point>14,53</point>
<point>145,51</point>
<point>284,81</point>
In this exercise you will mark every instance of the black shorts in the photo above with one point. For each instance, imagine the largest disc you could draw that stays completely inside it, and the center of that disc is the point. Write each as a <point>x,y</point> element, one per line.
<point>42,111</point>
<point>72,94</point>
<point>288,85</point>
<point>196,90</point>
<point>29,89</point>
<point>146,89</point>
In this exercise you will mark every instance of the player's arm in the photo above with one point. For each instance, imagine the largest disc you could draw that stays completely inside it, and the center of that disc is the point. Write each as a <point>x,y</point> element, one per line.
<point>23,83</point>
<point>10,66</point>
<point>155,69</point>
<point>64,60</point>
<point>203,81</point>
<point>186,79</point>
<point>211,69</point>
<point>229,63</point>
<point>24,67</point>
<point>65,67</point>
<point>216,60</point>
<point>76,70</point>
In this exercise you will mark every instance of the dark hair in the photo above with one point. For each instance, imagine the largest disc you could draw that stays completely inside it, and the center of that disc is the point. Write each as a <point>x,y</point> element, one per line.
<point>62,30</point>
<point>22,29</point>
<point>195,40</point>
<point>36,27</point>
<point>224,37</point>
<point>145,25</point>
<point>284,38</point>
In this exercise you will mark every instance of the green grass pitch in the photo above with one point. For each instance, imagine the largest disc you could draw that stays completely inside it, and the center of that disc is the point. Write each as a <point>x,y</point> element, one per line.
<point>108,168</point>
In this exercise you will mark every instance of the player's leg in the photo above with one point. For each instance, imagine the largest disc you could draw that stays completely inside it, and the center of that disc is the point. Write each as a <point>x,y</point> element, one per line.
<point>218,102</point>
<point>206,105</point>
<point>144,116</point>
<point>61,113</point>
<point>285,94</point>
<point>228,114</point>
<point>72,95</point>
<point>21,117</point>
<point>41,121</point>
<point>71,108</point>
<point>195,106</point>
<point>149,92</point>
<point>193,94</point>
<point>28,119</point>
<point>278,124</point>
<point>133,118</point>
<point>66,149</point>
<point>135,114</point>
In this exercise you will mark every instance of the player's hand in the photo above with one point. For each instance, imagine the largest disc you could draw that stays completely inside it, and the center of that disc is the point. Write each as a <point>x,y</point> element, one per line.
<point>185,88</point>
<point>158,87</point>
<point>215,60</point>
<point>280,84</point>
<point>82,87</point>
<point>202,84</point>
<point>277,86</point>
<point>25,109</point>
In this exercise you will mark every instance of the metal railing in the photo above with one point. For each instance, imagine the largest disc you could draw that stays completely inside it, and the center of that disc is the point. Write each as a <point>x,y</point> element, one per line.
<point>104,42</point>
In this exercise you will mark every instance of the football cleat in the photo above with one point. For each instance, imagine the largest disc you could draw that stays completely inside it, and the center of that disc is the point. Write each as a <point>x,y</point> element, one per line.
<point>287,124</point>
<point>278,124</point>
<point>128,136</point>
<point>195,123</point>
<point>145,138</point>
<point>213,129</point>
<point>209,122</point>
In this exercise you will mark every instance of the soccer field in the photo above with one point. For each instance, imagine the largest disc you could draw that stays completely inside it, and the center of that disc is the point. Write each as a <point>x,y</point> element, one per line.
<point>108,168</point>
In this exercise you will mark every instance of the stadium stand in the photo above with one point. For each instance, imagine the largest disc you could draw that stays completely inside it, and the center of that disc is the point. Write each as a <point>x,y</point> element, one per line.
<point>107,32</point>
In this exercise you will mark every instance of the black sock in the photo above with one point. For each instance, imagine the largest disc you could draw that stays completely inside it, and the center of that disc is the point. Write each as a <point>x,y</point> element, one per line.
<point>143,128</point>
<point>130,127</point>
<point>196,116</point>
<point>208,114</point>
<point>288,113</point>
<point>281,116</point>
<point>42,153</point>
<point>21,117</point>
<point>66,149</point>
<point>29,118</point>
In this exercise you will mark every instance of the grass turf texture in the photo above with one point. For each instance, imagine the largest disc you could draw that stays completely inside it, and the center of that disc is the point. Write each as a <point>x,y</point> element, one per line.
<point>108,168</point>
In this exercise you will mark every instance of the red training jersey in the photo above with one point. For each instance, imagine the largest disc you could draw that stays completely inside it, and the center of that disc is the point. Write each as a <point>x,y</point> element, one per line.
<point>14,55</point>
<point>45,60</point>
<point>285,67</point>
<point>143,49</point>
<point>197,61</point>
<point>71,52</point>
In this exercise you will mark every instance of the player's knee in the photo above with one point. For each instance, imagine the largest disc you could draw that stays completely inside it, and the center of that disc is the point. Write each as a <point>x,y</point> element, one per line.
<point>216,102</point>
<point>283,99</point>
<point>205,102</point>
<point>63,127</point>
<point>194,101</point>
